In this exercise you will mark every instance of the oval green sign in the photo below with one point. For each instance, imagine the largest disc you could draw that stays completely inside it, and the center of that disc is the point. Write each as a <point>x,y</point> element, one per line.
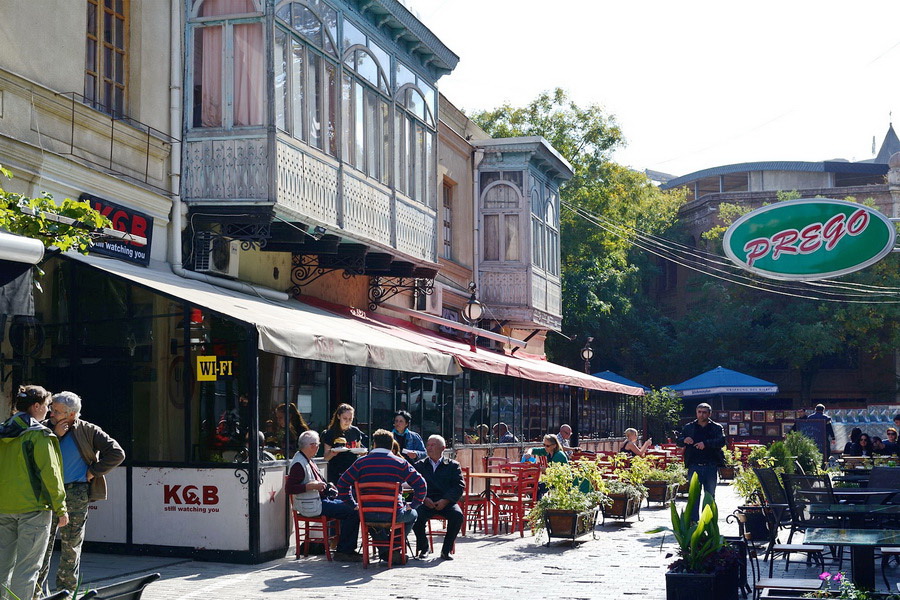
<point>809,239</point>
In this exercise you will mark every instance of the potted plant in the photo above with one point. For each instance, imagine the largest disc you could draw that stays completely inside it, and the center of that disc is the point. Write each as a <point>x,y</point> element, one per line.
<point>569,507</point>
<point>732,460</point>
<point>707,568</point>
<point>751,514</point>
<point>627,490</point>
<point>662,484</point>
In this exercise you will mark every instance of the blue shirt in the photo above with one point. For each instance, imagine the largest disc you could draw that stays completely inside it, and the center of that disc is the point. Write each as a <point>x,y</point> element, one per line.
<point>74,467</point>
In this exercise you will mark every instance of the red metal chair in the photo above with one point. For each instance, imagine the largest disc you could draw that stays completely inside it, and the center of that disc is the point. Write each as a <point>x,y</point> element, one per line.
<point>378,500</point>
<point>516,507</point>
<point>474,506</point>
<point>321,525</point>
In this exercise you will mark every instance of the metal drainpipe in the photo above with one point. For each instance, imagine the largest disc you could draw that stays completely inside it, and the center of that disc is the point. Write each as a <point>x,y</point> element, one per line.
<point>175,120</point>
<point>477,157</point>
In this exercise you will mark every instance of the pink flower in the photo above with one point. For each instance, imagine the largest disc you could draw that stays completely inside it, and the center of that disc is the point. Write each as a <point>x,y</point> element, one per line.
<point>825,576</point>
<point>838,576</point>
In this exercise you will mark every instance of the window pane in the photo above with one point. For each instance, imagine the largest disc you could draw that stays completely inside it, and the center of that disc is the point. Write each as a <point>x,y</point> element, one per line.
<point>90,60</point>
<point>491,237</point>
<point>352,35</point>
<point>404,75</point>
<point>429,169</point>
<point>208,76</point>
<point>359,128</point>
<point>400,136</point>
<point>373,135</point>
<point>536,202</point>
<point>331,106</point>
<point>298,91</point>
<point>281,75</point>
<point>512,237</point>
<point>120,68</point>
<point>218,8</point>
<point>535,242</point>
<point>249,74</point>
<point>385,142</point>
<point>120,32</point>
<point>383,58</point>
<point>307,24</point>
<point>415,104</point>
<point>365,66</point>
<point>420,163</point>
<point>329,18</point>
<point>90,87</point>
<point>347,118</point>
<point>314,99</point>
<point>92,18</point>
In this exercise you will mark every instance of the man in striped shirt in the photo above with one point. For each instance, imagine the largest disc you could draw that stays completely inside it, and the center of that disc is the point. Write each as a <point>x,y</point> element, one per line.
<point>381,466</point>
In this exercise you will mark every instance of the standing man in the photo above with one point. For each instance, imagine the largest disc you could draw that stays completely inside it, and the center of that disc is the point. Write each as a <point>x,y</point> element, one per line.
<point>31,490</point>
<point>445,487</point>
<point>820,415</point>
<point>703,440</point>
<point>88,454</point>
<point>381,466</point>
<point>312,497</point>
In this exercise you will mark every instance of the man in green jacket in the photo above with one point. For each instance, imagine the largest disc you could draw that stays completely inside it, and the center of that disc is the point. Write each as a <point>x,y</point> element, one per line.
<point>31,490</point>
<point>88,453</point>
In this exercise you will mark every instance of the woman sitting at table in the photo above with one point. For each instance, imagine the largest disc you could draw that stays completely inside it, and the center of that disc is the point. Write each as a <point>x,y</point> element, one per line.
<point>865,445</point>
<point>551,450</point>
<point>851,448</point>
<point>630,446</point>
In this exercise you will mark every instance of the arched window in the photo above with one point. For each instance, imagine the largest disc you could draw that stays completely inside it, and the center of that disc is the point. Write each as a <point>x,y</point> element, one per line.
<point>415,135</point>
<point>227,61</point>
<point>366,107</point>
<point>500,204</point>
<point>306,73</point>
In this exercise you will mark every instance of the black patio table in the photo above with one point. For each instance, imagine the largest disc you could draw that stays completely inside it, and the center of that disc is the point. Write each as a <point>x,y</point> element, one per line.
<point>856,513</point>
<point>862,543</point>
<point>854,495</point>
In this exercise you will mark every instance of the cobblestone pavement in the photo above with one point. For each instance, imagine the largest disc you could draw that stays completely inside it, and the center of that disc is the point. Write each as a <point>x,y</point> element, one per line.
<point>623,561</point>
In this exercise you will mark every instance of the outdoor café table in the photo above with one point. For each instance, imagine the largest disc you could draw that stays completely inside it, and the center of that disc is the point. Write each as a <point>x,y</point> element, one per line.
<point>856,513</point>
<point>862,544</point>
<point>854,495</point>
<point>488,494</point>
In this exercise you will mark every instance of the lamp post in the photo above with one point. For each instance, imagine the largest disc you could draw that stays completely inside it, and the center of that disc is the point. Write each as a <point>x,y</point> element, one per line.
<point>472,313</point>
<point>587,353</point>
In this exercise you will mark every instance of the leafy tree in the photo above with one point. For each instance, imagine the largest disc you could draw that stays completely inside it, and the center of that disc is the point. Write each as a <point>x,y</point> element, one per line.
<point>603,273</point>
<point>78,235</point>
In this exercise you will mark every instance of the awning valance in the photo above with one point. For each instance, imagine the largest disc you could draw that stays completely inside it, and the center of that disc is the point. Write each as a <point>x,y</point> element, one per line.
<point>290,328</point>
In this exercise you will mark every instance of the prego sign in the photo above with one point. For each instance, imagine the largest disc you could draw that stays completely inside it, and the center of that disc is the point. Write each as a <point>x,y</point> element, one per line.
<point>809,239</point>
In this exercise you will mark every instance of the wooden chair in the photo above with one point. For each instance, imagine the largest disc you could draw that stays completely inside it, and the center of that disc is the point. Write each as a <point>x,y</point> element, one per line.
<point>376,501</point>
<point>474,506</point>
<point>130,589</point>
<point>492,463</point>
<point>310,525</point>
<point>516,507</point>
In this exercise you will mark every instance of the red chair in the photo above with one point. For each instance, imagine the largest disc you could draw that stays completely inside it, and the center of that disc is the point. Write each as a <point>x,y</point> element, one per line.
<point>380,499</point>
<point>321,525</point>
<point>492,463</point>
<point>516,507</point>
<point>474,506</point>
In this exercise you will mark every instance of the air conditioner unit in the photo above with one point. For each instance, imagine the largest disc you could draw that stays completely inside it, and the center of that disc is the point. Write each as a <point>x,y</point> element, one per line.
<point>216,255</point>
<point>434,303</point>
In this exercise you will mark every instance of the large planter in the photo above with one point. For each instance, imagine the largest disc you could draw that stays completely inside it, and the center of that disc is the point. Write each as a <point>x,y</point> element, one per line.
<point>702,586</point>
<point>726,472</point>
<point>754,523</point>
<point>622,506</point>
<point>569,524</point>
<point>660,491</point>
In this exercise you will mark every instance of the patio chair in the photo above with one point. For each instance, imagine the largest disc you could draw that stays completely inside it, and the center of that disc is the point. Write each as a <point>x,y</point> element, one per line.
<point>378,511</point>
<point>776,504</point>
<point>474,506</point>
<point>130,589</point>
<point>516,507</point>
<point>492,463</point>
<point>887,478</point>
<point>326,528</point>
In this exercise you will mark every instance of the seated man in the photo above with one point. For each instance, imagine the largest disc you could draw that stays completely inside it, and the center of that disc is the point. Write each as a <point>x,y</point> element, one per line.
<point>311,496</point>
<point>381,466</point>
<point>445,487</point>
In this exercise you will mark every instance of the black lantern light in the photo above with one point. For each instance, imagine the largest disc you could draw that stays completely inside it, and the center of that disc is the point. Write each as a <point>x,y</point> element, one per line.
<point>473,310</point>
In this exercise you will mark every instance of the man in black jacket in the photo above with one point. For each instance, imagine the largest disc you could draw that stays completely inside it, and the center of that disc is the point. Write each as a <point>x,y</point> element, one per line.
<point>445,487</point>
<point>703,440</point>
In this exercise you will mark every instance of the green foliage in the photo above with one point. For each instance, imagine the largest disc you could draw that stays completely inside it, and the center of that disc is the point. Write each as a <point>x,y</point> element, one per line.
<point>603,274</point>
<point>746,483</point>
<point>697,542</point>
<point>662,408</point>
<point>576,486</point>
<point>635,492</point>
<point>667,475</point>
<point>635,470</point>
<point>52,234</point>
<point>805,451</point>
<point>732,457</point>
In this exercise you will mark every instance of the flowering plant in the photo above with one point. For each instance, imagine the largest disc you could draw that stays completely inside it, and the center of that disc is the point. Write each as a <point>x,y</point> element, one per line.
<point>845,589</point>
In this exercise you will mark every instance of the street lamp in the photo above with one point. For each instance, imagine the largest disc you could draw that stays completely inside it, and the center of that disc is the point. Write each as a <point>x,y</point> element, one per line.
<point>473,310</point>
<point>587,353</point>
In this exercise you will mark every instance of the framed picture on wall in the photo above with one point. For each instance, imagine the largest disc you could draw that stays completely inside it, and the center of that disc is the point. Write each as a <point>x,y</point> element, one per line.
<point>773,430</point>
<point>746,415</point>
<point>733,429</point>
<point>786,428</point>
<point>789,414</point>
<point>736,416</point>
<point>721,416</point>
<point>779,415</point>
<point>770,416</point>
<point>743,429</point>
<point>756,430</point>
<point>759,416</point>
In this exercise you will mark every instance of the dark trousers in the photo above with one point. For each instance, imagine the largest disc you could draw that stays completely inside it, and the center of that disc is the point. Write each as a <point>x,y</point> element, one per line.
<point>454,517</point>
<point>349,519</point>
<point>708,476</point>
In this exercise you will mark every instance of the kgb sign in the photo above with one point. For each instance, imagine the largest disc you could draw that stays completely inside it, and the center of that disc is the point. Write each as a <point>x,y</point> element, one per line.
<point>809,239</point>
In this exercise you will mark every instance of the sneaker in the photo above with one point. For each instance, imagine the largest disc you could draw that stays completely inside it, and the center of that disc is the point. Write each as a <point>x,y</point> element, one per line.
<point>446,556</point>
<point>347,556</point>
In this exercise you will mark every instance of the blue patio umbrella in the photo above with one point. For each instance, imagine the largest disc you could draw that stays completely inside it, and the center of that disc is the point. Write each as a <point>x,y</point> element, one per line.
<point>723,382</point>
<point>616,378</point>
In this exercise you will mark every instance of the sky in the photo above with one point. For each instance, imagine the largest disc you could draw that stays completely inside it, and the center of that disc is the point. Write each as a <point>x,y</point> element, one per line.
<point>692,84</point>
